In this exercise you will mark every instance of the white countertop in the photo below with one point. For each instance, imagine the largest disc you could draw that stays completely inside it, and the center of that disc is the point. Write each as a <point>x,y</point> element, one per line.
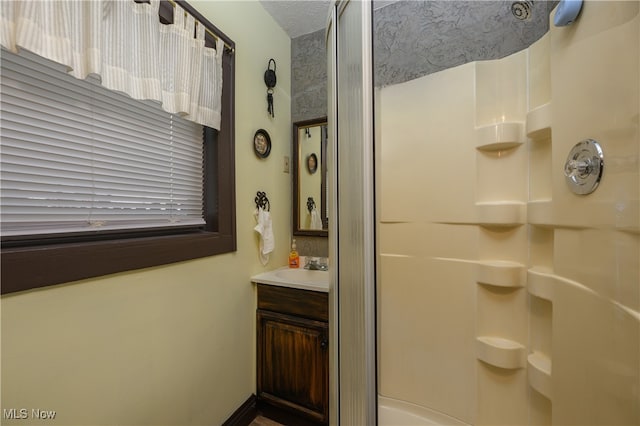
<point>300,278</point>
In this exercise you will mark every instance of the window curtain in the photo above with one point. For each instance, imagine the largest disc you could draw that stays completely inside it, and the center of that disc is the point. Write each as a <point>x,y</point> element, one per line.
<point>123,43</point>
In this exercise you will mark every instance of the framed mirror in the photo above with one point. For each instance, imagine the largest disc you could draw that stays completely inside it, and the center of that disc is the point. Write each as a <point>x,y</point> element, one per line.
<point>310,178</point>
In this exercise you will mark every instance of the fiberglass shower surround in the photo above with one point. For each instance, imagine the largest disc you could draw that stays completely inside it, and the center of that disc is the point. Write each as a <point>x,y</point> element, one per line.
<point>502,296</point>
<point>499,285</point>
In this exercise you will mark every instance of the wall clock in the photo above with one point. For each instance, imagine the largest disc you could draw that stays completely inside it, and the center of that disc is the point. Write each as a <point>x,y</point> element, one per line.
<point>262,143</point>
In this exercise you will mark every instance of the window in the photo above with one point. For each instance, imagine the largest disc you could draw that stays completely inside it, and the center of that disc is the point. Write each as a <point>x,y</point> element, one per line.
<point>78,158</point>
<point>125,233</point>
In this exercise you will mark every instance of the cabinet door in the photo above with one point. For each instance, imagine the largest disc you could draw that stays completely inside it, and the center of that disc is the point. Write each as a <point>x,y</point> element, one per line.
<point>293,364</point>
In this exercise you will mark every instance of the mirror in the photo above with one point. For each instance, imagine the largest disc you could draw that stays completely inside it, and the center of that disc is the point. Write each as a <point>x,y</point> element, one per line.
<point>310,178</point>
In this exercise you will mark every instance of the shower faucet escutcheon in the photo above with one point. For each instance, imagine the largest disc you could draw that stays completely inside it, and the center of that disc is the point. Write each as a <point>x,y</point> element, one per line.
<point>584,166</point>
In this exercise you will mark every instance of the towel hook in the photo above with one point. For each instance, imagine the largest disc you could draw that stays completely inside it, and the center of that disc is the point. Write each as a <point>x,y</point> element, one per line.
<point>310,204</point>
<point>262,201</point>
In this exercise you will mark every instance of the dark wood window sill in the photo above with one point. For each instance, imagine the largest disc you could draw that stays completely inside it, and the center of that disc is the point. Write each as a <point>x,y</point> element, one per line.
<point>25,268</point>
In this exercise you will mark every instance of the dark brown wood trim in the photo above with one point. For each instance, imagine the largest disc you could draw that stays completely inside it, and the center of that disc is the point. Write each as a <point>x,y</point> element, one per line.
<point>245,414</point>
<point>226,149</point>
<point>288,406</point>
<point>41,266</point>
<point>282,415</point>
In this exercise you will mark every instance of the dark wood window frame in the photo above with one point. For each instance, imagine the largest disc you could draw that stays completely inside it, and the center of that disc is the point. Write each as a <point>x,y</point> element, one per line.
<point>29,264</point>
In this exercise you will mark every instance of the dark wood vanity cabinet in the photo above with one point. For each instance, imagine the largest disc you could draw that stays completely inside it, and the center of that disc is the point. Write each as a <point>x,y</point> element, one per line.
<point>292,351</point>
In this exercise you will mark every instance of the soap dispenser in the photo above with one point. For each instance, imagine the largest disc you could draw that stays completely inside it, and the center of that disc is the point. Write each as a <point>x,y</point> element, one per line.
<point>294,259</point>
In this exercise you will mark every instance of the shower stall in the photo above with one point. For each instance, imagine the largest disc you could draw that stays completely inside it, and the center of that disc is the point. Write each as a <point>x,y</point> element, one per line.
<point>486,190</point>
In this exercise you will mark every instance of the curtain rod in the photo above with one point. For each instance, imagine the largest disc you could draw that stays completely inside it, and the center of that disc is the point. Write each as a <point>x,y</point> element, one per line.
<point>230,47</point>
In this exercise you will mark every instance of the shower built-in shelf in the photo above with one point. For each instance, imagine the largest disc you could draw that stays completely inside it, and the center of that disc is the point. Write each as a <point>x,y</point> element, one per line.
<point>501,213</point>
<point>539,373</point>
<point>499,136</point>
<point>539,122</point>
<point>500,273</point>
<point>540,283</point>
<point>634,230</point>
<point>500,352</point>
<point>540,212</point>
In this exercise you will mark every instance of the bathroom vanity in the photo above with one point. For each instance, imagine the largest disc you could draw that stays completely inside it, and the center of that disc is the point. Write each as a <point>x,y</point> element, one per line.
<point>292,346</point>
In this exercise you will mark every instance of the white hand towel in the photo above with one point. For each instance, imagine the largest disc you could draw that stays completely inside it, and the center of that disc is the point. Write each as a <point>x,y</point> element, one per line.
<point>316,222</point>
<point>265,229</point>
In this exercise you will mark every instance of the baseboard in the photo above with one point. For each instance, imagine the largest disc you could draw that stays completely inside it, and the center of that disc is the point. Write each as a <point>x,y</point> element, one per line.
<point>282,415</point>
<point>245,414</point>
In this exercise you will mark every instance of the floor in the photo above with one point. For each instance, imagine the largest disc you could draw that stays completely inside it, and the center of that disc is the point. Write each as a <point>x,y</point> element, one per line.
<point>263,421</point>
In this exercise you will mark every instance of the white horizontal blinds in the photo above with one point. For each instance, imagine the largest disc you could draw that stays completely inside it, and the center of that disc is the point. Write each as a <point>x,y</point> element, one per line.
<point>76,156</point>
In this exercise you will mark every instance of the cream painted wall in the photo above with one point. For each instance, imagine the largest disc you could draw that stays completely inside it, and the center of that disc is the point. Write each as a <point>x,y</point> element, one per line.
<point>172,345</point>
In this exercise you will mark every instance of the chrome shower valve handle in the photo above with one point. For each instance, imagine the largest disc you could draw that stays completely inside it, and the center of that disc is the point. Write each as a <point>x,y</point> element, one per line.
<point>575,168</point>
<point>584,166</point>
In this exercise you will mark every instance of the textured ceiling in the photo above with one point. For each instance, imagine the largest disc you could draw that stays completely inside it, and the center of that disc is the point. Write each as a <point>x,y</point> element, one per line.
<point>300,17</point>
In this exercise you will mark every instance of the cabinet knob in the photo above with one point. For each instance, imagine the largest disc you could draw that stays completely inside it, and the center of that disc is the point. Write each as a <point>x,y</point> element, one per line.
<point>324,343</point>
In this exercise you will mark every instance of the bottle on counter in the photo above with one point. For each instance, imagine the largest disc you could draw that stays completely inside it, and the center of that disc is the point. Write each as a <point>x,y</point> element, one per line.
<point>294,258</point>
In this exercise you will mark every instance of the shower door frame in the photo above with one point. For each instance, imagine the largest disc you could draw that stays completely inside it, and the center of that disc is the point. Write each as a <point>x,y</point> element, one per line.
<point>352,246</point>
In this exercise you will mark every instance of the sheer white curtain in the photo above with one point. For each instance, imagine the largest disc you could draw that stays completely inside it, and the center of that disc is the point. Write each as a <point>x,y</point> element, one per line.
<point>211,89</point>
<point>125,44</point>
<point>175,42</point>
<point>67,32</point>
<point>130,46</point>
<point>192,81</point>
